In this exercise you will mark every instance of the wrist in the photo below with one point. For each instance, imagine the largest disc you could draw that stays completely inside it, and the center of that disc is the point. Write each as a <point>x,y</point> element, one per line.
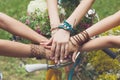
<point>66,26</point>
<point>54,30</point>
<point>54,25</point>
<point>80,39</point>
<point>37,51</point>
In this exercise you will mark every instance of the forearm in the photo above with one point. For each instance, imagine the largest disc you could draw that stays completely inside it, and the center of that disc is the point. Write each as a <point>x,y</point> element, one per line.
<point>53,13</point>
<point>17,49</point>
<point>79,12</point>
<point>104,25</point>
<point>14,49</point>
<point>17,28</point>
<point>102,42</point>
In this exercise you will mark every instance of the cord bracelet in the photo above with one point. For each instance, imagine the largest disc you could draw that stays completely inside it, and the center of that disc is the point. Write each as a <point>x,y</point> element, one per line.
<point>79,40</point>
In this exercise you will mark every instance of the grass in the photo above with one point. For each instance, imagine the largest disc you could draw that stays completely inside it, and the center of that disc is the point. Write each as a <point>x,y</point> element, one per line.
<point>13,8</point>
<point>106,7</point>
<point>16,8</point>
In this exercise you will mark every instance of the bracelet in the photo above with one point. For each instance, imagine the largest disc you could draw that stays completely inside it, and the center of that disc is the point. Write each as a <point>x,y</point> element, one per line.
<point>36,52</point>
<point>66,26</point>
<point>79,40</point>
<point>54,30</point>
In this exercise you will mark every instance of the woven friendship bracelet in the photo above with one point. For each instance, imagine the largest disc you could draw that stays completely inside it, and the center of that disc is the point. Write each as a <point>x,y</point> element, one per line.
<point>36,51</point>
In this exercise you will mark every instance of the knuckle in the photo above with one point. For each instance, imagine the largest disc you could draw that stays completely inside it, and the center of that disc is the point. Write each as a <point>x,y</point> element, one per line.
<point>54,42</point>
<point>52,50</point>
<point>59,43</point>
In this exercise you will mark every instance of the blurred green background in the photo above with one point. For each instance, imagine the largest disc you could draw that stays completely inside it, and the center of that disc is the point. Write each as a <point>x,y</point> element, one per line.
<point>16,9</point>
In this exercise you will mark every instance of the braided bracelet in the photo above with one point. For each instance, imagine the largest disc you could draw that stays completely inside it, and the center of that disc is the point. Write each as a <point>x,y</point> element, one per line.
<point>36,51</point>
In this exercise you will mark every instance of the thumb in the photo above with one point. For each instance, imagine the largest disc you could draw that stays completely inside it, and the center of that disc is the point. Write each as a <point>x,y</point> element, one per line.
<point>48,42</point>
<point>75,55</point>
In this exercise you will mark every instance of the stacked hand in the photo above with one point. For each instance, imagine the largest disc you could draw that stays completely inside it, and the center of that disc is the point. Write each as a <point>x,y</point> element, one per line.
<point>59,45</point>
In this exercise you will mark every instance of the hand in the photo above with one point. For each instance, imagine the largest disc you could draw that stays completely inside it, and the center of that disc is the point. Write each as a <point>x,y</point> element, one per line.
<point>59,43</point>
<point>74,48</point>
<point>78,40</point>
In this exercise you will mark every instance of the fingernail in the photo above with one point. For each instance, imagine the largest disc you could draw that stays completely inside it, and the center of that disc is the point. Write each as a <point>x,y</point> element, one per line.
<point>55,61</point>
<point>58,62</point>
<point>61,60</point>
<point>65,56</point>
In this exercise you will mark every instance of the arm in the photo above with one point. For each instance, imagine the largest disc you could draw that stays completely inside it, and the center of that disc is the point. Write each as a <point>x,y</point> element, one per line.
<point>17,49</point>
<point>104,25</point>
<point>53,13</point>
<point>101,43</point>
<point>15,27</point>
<point>98,44</point>
<point>99,27</point>
<point>62,46</point>
<point>60,38</point>
<point>79,12</point>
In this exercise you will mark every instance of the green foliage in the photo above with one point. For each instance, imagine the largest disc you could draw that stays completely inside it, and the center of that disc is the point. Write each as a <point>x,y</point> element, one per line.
<point>106,7</point>
<point>114,31</point>
<point>38,22</point>
<point>102,62</point>
<point>107,77</point>
<point>13,8</point>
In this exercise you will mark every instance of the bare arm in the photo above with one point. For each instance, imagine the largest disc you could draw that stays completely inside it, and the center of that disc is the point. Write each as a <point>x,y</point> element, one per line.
<point>99,27</point>
<point>17,49</point>
<point>53,13</point>
<point>60,37</point>
<point>104,25</point>
<point>101,43</point>
<point>79,12</point>
<point>15,27</point>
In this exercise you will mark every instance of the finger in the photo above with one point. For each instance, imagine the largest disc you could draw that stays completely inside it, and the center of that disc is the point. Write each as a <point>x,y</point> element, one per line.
<point>74,56</point>
<point>53,49</point>
<point>50,41</point>
<point>47,47</point>
<point>66,50</point>
<point>43,41</point>
<point>47,42</point>
<point>57,52</point>
<point>62,53</point>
